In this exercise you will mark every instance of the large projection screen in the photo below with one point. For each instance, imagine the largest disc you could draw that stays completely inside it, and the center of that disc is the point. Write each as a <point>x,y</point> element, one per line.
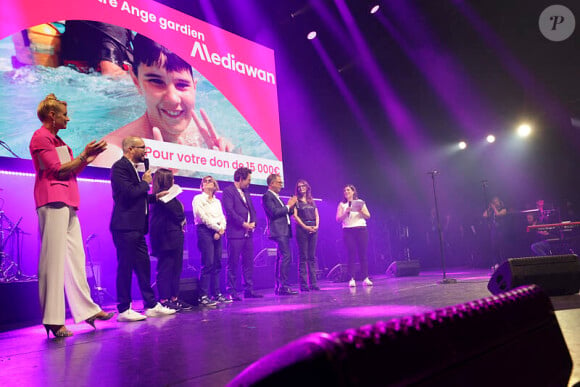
<point>233,88</point>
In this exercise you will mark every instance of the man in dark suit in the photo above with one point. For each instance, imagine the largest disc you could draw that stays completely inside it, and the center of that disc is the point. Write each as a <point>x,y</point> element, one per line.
<point>279,230</point>
<point>241,220</point>
<point>129,224</point>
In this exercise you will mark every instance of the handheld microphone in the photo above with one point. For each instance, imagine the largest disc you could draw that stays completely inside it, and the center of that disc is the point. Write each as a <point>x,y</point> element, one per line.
<point>146,162</point>
<point>434,172</point>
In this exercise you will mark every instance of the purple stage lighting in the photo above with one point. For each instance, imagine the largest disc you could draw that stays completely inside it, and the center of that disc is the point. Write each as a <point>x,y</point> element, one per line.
<point>375,9</point>
<point>311,35</point>
<point>462,145</point>
<point>490,139</point>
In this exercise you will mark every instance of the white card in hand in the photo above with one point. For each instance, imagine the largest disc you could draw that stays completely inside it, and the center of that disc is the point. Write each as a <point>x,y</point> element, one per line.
<point>63,155</point>
<point>356,205</point>
<point>172,192</point>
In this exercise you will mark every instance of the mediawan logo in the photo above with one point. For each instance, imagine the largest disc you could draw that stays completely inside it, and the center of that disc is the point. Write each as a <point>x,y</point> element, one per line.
<point>557,23</point>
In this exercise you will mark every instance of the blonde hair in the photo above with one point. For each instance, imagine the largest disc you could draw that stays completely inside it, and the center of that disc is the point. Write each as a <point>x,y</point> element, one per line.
<point>214,181</point>
<point>49,104</point>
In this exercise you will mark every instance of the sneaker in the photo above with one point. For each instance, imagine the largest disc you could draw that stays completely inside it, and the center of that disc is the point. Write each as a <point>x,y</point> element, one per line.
<point>223,300</point>
<point>130,315</point>
<point>183,305</point>
<point>367,282</point>
<point>351,283</point>
<point>205,301</point>
<point>171,305</point>
<point>158,311</point>
<point>234,297</point>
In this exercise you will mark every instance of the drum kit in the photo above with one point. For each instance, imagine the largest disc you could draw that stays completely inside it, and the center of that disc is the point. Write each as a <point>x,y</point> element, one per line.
<point>11,248</point>
<point>11,256</point>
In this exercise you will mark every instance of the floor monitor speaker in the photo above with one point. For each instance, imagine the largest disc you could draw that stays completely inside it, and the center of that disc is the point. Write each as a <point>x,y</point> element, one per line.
<point>556,274</point>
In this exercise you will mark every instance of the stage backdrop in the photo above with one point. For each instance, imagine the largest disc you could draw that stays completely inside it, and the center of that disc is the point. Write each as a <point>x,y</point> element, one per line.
<point>236,85</point>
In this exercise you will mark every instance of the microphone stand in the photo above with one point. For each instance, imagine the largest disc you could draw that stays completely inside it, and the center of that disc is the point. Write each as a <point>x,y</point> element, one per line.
<point>445,280</point>
<point>490,224</point>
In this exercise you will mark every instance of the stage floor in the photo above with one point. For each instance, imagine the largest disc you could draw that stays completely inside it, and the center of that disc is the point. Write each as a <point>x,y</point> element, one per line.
<point>209,347</point>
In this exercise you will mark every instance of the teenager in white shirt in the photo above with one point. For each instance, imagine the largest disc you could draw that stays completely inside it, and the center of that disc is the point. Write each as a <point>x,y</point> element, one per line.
<point>210,222</point>
<point>354,232</point>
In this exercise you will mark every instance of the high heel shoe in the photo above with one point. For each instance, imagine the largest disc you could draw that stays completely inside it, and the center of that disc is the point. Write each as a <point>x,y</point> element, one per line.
<point>102,315</point>
<point>57,331</point>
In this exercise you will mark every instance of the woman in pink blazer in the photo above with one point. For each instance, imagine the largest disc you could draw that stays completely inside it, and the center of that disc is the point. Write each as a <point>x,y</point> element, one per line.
<point>62,258</point>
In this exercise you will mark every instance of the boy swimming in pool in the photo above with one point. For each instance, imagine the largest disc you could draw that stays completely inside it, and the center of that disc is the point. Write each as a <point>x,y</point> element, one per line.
<point>168,86</point>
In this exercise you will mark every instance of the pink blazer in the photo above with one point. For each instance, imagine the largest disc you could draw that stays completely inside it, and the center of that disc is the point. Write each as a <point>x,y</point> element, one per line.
<point>48,188</point>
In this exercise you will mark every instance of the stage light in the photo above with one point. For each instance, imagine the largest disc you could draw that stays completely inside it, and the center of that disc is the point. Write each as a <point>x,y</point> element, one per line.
<point>311,35</point>
<point>524,130</point>
<point>462,145</point>
<point>490,138</point>
<point>375,9</point>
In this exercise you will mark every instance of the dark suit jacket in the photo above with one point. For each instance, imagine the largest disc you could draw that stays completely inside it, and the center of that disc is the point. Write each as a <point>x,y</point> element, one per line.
<point>276,212</point>
<point>130,195</point>
<point>237,211</point>
<point>166,226</point>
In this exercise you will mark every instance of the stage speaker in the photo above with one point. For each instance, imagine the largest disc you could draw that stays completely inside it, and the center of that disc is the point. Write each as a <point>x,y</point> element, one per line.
<point>508,340</point>
<point>556,274</point>
<point>189,290</point>
<point>19,304</point>
<point>404,268</point>
<point>264,277</point>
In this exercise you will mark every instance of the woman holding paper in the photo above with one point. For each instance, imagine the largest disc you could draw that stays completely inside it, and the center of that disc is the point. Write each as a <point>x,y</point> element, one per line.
<point>353,214</point>
<point>166,237</point>
<point>62,257</point>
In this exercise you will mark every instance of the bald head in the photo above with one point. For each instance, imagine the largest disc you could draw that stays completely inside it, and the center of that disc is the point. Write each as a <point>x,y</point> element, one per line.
<point>131,141</point>
<point>134,149</point>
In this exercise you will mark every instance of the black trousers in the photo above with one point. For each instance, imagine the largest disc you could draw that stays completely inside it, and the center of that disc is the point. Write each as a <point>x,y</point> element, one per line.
<point>283,260</point>
<point>132,256</point>
<point>211,260</point>
<point>307,249</point>
<point>169,267</point>
<point>356,240</point>
<point>245,248</point>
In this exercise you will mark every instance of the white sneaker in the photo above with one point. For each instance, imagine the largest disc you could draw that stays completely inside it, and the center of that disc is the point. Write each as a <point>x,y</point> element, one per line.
<point>159,310</point>
<point>367,282</point>
<point>352,283</point>
<point>130,315</point>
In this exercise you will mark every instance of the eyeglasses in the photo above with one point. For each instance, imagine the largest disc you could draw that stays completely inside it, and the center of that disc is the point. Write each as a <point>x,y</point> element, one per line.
<point>207,180</point>
<point>302,186</point>
<point>140,147</point>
